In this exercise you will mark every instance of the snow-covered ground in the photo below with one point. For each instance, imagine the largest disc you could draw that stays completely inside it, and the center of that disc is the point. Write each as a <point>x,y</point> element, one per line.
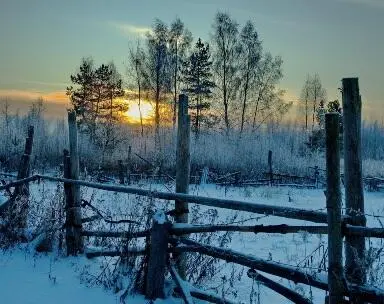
<point>26,277</point>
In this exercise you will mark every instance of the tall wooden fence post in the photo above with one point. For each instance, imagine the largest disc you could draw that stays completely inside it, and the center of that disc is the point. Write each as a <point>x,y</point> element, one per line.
<point>182,169</point>
<point>75,209</point>
<point>24,166</point>
<point>335,238</point>
<point>154,287</point>
<point>270,168</point>
<point>354,196</point>
<point>129,165</point>
<point>121,171</point>
<point>23,172</point>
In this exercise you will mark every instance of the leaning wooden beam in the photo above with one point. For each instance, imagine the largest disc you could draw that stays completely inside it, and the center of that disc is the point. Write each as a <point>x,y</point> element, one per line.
<point>131,252</point>
<point>180,229</point>
<point>19,182</point>
<point>284,271</point>
<point>8,174</point>
<point>208,296</point>
<point>181,284</point>
<point>4,207</point>
<point>91,218</point>
<point>116,234</point>
<point>153,166</point>
<point>98,213</point>
<point>287,212</point>
<point>369,294</point>
<point>351,230</point>
<point>280,289</point>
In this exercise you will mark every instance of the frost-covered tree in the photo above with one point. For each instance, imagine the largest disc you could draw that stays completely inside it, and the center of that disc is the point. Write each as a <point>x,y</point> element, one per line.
<point>249,49</point>
<point>180,40</point>
<point>138,75</point>
<point>312,92</point>
<point>268,101</point>
<point>225,58</point>
<point>158,69</point>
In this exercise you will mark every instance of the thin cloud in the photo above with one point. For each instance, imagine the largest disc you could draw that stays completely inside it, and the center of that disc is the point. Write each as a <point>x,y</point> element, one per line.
<point>371,3</point>
<point>53,97</point>
<point>43,83</point>
<point>130,29</point>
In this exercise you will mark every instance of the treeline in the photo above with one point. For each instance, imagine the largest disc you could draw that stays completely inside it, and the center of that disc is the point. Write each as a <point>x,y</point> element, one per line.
<point>231,80</point>
<point>215,150</point>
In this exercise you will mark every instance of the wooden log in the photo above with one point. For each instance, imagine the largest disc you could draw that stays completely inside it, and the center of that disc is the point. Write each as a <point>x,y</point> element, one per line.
<point>367,293</point>
<point>74,174</point>
<point>181,284</point>
<point>157,260</point>
<point>286,212</point>
<point>124,253</point>
<point>350,230</point>
<point>282,229</point>
<point>335,237</point>
<point>354,196</point>
<point>117,234</point>
<point>280,289</point>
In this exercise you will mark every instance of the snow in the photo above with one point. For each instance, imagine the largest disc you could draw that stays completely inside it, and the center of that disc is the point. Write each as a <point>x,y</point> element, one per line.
<point>159,217</point>
<point>26,277</point>
<point>38,278</point>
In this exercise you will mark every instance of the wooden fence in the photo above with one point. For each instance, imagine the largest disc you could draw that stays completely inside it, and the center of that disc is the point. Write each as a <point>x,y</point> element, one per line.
<point>168,242</point>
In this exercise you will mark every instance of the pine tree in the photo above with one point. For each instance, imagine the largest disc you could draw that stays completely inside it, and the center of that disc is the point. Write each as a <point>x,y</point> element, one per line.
<point>95,96</point>
<point>197,78</point>
<point>81,95</point>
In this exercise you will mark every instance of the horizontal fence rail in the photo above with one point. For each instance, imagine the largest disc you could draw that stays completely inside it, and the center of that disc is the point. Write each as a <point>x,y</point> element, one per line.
<point>370,294</point>
<point>180,229</point>
<point>287,212</point>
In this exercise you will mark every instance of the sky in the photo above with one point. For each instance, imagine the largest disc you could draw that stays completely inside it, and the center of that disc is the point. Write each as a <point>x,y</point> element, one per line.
<point>43,41</point>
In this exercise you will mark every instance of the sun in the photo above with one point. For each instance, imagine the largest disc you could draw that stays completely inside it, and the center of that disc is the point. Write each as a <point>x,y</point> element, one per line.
<point>133,112</point>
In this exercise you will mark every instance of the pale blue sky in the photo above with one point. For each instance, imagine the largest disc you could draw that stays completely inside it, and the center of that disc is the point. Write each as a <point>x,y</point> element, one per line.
<point>42,41</point>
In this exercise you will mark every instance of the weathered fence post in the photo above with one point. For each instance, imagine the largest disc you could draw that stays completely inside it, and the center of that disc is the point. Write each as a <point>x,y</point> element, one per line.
<point>182,168</point>
<point>270,168</point>
<point>69,203</point>
<point>317,175</point>
<point>23,172</point>
<point>129,165</point>
<point>335,238</point>
<point>75,209</point>
<point>121,171</point>
<point>354,196</point>
<point>157,257</point>
<point>24,167</point>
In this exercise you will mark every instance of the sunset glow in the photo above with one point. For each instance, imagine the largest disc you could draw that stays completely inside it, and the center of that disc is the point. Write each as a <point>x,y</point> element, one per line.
<point>133,113</point>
